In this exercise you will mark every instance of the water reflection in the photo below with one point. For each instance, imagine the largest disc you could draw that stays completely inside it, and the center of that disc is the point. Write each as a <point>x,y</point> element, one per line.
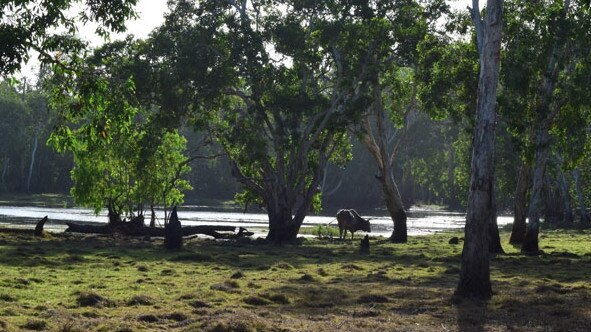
<point>420,220</point>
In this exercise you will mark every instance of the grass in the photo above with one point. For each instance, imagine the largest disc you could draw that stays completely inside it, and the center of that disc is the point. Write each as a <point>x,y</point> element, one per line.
<point>101,283</point>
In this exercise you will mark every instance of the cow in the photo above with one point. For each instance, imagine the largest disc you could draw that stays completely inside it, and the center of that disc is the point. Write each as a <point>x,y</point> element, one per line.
<point>350,220</point>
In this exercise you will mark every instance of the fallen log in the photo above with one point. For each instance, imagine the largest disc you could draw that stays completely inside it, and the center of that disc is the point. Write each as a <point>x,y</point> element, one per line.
<point>129,230</point>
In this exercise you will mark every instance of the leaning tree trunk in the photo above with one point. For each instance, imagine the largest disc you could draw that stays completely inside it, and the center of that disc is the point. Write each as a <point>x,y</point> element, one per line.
<point>475,271</point>
<point>395,207</point>
<point>581,200</point>
<point>520,207</point>
<point>376,143</point>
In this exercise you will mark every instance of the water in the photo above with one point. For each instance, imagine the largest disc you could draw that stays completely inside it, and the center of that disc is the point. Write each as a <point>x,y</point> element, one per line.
<point>420,221</point>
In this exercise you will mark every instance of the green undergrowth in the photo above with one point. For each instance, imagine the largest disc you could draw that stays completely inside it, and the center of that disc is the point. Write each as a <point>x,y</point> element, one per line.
<point>110,283</point>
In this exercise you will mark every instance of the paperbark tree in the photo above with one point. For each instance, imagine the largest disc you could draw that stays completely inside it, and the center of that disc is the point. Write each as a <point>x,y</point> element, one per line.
<point>546,112</point>
<point>475,270</point>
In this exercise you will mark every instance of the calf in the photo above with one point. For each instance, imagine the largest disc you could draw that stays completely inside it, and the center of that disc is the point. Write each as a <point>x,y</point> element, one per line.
<point>350,220</point>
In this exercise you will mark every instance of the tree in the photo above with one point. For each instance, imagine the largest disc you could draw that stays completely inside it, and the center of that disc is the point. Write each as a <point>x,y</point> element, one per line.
<point>475,271</point>
<point>106,128</point>
<point>287,88</point>
<point>33,25</point>
<point>544,89</point>
<point>390,33</point>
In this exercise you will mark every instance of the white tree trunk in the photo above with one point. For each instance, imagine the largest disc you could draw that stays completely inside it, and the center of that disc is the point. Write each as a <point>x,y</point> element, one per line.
<point>475,272</point>
<point>33,153</point>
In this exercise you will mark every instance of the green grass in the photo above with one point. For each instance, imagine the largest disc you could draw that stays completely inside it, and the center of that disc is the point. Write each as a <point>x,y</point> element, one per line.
<point>111,283</point>
<point>322,231</point>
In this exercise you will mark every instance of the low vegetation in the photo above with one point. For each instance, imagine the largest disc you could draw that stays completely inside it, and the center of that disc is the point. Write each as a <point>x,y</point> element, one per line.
<point>96,283</point>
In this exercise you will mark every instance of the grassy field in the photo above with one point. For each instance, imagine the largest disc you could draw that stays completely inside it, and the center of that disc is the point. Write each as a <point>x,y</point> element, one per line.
<point>89,283</point>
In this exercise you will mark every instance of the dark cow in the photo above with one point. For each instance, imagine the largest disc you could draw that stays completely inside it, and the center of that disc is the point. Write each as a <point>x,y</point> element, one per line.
<point>350,220</point>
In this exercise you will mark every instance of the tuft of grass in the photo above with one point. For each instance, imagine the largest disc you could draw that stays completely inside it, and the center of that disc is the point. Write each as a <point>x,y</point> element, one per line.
<point>372,298</point>
<point>91,299</point>
<point>228,286</point>
<point>141,300</point>
<point>192,257</point>
<point>148,318</point>
<point>7,298</point>
<point>198,304</point>
<point>35,325</point>
<point>256,300</point>
<point>307,278</point>
<point>276,298</point>
<point>175,316</point>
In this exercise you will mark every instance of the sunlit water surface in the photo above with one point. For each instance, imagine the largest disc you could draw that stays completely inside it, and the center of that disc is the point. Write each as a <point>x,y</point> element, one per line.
<point>420,221</point>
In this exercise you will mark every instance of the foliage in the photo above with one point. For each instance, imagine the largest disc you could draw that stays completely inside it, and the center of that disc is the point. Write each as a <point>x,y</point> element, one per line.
<point>49,27</point>
<point>106,128</point>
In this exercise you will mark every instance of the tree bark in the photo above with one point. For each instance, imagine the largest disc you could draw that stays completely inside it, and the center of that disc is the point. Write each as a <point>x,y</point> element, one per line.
<point>582,208</point>
<point>475,270</point>
<point>520,207</point>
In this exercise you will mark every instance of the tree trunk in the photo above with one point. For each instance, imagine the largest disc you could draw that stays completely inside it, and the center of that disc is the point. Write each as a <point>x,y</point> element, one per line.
<point>377,144</point>
<point>530,245</point>
<point>395,207</point>
<point>282,226</point>
<point>35,141</point>
<point>475,271</point>
<point>152,216</point>
<point>520,207</point>
<point>453,203</point>
<point>568,217</point>
<point>543,111</point>
<point>4,172</point>
<point>582,207</point>
<point>114,216</point>
<point>494,246</point>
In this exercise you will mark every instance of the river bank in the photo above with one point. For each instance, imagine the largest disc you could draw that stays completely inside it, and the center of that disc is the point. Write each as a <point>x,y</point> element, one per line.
<point>420,220</point>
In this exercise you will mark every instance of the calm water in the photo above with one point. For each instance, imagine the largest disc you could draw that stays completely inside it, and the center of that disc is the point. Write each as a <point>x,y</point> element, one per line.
<point>420,221</point>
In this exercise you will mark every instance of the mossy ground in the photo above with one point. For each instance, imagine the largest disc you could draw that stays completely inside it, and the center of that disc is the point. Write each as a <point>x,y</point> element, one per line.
<point>110,283</point>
